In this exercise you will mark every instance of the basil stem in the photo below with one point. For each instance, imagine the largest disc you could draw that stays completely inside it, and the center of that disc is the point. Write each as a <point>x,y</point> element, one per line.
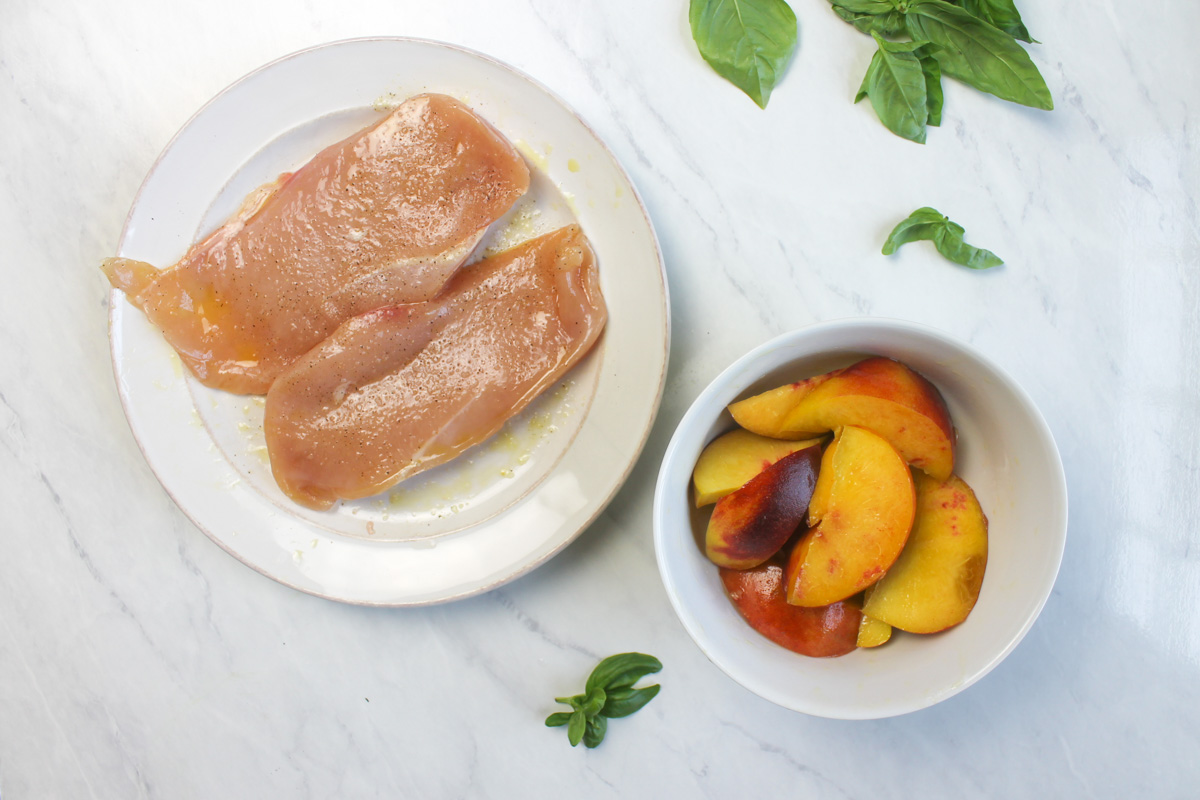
<point>748,42</point>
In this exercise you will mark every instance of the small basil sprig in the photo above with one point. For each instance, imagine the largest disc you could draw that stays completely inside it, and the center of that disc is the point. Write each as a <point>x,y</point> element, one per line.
<point>748,42</point>
<point>608,694</point>
<point>904,83</point>
<point>929,224</point>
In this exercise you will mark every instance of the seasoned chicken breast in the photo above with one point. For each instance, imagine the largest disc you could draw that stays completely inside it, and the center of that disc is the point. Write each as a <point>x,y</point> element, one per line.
<point>404,388</point>
<point>384,217</point>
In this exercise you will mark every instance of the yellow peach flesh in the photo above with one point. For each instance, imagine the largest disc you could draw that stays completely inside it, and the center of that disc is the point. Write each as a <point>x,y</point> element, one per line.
<point>936,581</point>
<point>731,460</point>
<point>860,515</point>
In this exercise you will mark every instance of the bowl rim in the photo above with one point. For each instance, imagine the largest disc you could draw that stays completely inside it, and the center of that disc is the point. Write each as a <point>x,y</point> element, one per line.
<point>740,372</point>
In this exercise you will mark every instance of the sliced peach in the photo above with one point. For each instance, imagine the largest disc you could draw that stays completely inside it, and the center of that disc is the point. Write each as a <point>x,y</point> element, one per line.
<point>888,398</point>
<point>860,515</point>
<point>764,413</point>
<point>731,460</point>
<point>872,632</point>
<point>936,581</point>
<point>758,596</point>
<point>749,526</point>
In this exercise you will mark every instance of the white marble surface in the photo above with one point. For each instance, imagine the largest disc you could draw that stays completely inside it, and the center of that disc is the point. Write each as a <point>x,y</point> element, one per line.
<point>137,659</point>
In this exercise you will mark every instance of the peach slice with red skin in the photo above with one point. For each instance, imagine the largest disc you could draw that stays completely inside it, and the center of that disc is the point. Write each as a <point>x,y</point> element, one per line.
<point>764,413</point>
<point>879,394</point>
<point>759,597</point>
<point>936,581</point>
<point>859,515</point>
<point>751,524</point>
<point>731,460</point>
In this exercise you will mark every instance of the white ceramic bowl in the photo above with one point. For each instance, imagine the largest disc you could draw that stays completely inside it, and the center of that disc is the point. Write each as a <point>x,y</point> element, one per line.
<point>1005,452</point>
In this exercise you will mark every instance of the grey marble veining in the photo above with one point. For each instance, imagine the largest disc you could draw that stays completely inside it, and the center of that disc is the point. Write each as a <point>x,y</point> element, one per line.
<point>137,659</point>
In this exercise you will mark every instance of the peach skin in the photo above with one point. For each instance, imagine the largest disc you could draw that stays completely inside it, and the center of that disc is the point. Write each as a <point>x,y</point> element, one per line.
<point>731,460</point>
<point>765,413</point>
<point>889,399</point>
<point>758,596</point>
<point>751,524</point>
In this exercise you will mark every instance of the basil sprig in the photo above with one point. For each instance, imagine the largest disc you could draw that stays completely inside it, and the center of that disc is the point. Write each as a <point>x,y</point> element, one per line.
<point>929,224</point>
<point>748,42</point>
<point>974,41</point>
<point>904,83</point>
<point>608,694</point>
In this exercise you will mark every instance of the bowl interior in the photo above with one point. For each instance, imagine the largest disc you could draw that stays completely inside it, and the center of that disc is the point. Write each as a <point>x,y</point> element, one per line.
<point>1005,452</point>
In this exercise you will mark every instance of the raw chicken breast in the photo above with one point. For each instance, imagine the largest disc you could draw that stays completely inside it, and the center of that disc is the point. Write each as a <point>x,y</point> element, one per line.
<point>402,389</point>
<point>384,217</point>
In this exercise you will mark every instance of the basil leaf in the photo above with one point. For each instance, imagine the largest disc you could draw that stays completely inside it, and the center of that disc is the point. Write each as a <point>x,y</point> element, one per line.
<point>748,42</point>
<point>911,233</point>
<point>947,236</point>
<point>949,242</point>
<point>558,719</point>
<point>865,6</point>
<point>595,702</point>
<point>890,24</point>
<point>919,225</point>
<point>576,727</point>
<point>933,82</point>
<point>977,53</point>
<point>871,16</point>
<point>623,669</point>
<point>623,702</point>
<point>1000,14</point>
<point>895,82</point>
<point>596,728</point>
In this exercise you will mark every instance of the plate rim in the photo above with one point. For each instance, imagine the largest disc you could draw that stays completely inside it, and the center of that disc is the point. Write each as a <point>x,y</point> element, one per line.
<point>114,297</point>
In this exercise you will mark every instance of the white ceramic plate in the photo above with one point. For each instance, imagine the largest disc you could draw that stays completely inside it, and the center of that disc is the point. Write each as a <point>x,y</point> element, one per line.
<point>500,509</point>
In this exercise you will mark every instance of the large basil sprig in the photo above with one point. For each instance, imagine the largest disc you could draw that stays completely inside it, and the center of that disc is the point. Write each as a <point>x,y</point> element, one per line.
<point>608,694</point>
<point>974,41</point>
<point>748,42</point>
<point>904,83</point>
<point>929,224</point>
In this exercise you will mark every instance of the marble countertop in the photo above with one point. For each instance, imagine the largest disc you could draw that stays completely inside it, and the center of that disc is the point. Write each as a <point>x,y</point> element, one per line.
<point>138,659</point>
